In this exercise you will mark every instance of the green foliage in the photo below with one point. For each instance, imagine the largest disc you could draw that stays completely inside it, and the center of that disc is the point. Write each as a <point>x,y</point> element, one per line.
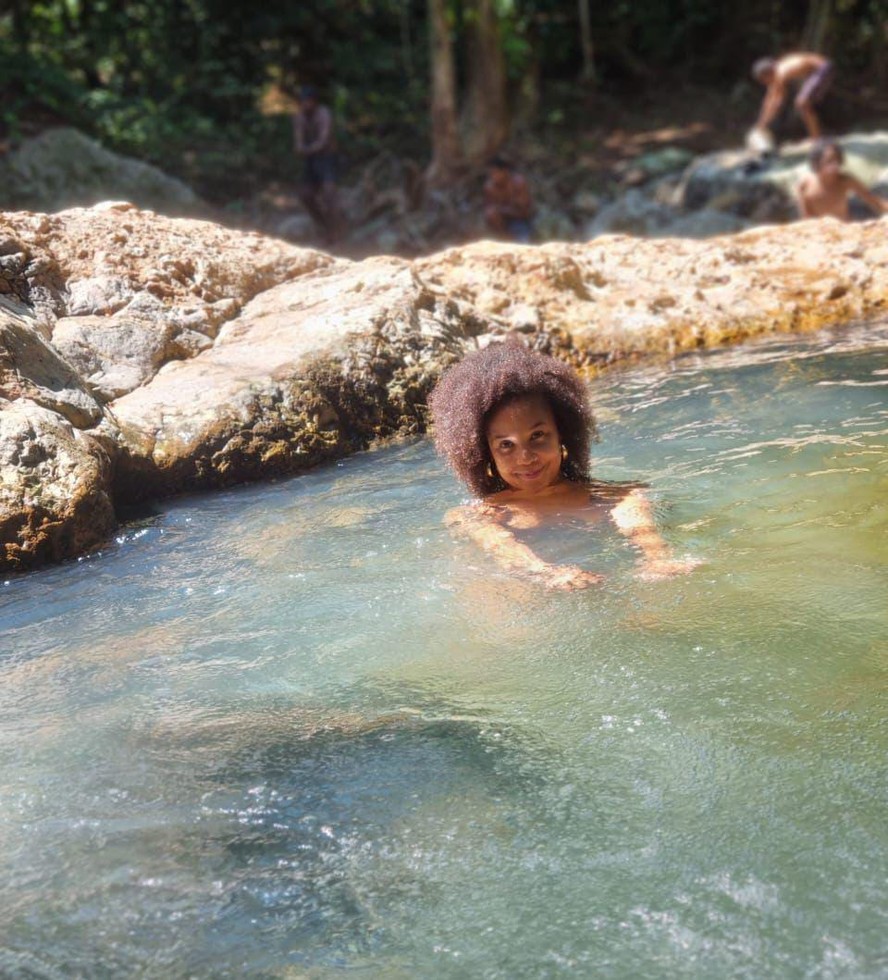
<point>180,82</point>
<point>28,82</point>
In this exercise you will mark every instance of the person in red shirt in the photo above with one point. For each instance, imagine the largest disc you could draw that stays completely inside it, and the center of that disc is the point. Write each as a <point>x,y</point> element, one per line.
<point>508,207</point>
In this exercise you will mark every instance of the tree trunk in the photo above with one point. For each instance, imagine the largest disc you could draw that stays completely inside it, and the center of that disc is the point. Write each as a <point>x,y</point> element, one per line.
<point>447,156</point>
<point>527,101</point>
<point>817,25</point>
<point>879,64</point>
<point>588,73</point>
<point>406,41</point>
<point>21,24</point>
<point>486,115</point>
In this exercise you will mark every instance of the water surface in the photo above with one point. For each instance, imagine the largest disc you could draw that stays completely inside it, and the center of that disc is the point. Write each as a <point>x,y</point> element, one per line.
<point>296,730</point>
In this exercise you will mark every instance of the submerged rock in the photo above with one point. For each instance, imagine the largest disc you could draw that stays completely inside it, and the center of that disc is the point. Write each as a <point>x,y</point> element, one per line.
<point>142,355</point>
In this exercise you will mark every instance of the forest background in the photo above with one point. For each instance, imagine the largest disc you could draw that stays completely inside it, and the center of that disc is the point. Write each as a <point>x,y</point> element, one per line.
<point>204,88</point>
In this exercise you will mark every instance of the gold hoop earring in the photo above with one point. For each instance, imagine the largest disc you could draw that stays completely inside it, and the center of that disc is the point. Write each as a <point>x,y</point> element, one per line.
<point>490,472</point>
<point>564,453</point>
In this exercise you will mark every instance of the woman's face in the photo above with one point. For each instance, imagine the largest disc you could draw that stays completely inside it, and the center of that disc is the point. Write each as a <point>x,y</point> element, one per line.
<point>830,162</point>
<point>525,443</point>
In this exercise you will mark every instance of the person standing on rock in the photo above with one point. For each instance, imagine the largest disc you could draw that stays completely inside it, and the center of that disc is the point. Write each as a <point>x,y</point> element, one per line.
<point>825,191</point>
<point>812,72</point>
<point>315,141</point>
<point>508,206</point>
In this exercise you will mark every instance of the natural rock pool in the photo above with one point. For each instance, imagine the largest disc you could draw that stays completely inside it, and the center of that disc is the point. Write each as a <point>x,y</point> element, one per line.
<point>296,730</point>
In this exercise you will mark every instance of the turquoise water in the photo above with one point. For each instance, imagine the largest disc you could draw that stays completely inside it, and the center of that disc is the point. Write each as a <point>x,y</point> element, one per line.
<point>296,730</point>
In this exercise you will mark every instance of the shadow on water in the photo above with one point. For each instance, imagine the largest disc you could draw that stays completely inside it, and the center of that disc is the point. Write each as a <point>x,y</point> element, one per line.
<point>275,836</point>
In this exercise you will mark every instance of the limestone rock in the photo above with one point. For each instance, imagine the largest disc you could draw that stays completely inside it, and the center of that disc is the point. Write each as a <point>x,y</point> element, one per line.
<point>98,294</point>
<point>55,498</point>
<point>178,281</point>
<point>619,296</point>
<point>308,371</point>
<point>142,355</point>
<point>31,368</point>
<point>115,354</point>
<point>63,168</point>
<point>88,260</point>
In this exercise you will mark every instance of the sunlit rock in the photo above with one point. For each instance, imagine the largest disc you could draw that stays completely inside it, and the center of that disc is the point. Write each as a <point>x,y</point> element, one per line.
<point>142,355</point>
<point>55,498</point>
<point>63,168</point>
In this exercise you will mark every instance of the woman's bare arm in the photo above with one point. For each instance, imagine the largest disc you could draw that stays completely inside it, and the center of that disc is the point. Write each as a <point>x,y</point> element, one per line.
<point>483,525</point>
<point>634,518</point>
<point>801,193</point>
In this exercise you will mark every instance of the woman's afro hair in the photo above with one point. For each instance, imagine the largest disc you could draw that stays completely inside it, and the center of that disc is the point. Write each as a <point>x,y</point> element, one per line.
<point>469,392</point>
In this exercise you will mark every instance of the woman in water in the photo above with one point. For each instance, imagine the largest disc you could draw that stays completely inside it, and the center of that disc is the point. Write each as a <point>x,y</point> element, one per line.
<point>824,192</point>
<point>515,426</point>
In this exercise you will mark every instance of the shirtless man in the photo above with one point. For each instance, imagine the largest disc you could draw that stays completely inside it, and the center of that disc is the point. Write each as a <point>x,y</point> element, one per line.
<point>811,71</point>
<point>507,203</point>
<point>825,191</point>
<point>314,140</point>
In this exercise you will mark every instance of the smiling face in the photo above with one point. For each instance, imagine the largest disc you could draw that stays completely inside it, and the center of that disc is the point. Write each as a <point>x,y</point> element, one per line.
<point>525,444</point>
<point>830,166</point>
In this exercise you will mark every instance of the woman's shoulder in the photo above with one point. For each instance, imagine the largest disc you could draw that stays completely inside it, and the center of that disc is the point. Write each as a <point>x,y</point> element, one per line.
<point>613,490</point>
<point>498,499</point>
<point>484,508</point>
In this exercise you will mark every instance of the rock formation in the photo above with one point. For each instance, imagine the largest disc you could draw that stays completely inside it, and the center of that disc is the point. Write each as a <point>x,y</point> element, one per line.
<point>731,190</point>
<point>142,355</point>
<point>63,167</point>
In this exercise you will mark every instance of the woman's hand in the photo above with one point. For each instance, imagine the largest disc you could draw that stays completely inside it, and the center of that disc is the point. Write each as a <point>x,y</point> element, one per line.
<point>660,568</point>
<point>570,577</point>
<point>482,523</point>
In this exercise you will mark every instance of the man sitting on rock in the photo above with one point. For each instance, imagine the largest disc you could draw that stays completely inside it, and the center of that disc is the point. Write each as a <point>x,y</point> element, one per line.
<point>508,206</point>
<point>825,191</point>
<point>811,71</point>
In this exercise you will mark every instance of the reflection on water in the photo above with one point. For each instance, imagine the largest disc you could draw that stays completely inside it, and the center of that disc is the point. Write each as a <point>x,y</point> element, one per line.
<point>297,731</point>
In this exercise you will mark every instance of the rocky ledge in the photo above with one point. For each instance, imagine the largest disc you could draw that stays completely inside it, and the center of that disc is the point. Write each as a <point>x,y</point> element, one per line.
<point>142,356</point>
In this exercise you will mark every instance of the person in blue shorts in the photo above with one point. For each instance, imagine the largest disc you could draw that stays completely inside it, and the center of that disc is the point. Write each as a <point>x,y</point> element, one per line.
<point>812,72</point>
<point>314,140</point>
